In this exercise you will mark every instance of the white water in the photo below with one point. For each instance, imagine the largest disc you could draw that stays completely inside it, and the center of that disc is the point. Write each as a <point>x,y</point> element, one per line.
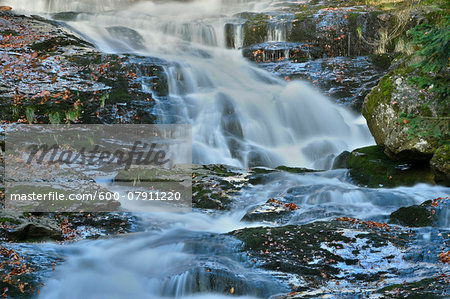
<point>241,115</point>
<point>169,259</point>
<point>237,112</point>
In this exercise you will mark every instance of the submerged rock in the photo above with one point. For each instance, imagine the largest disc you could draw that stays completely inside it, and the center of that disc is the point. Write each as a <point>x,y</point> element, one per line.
<point>369,166</point>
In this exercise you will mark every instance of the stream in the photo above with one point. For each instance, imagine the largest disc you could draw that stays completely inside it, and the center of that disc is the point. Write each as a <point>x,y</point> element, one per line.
<point>242,115</point>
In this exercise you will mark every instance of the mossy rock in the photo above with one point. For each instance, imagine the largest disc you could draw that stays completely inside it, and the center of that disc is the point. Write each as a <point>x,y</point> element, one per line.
<point>151,174</point>
<point>31,232</point>
<point>414,216</point>
<point>341,161</point>
<point>369,166</point>
<point>255,29</point>
<point>379,94</point>
<point>319,251</point>
<point>214,186</point>
<point>55,42</point>
<point>428,288</point>
<point>440,163</point>
<point>304,241</point>
<point>295,169</point>
<point>407,121</point>
<point>66,16</point>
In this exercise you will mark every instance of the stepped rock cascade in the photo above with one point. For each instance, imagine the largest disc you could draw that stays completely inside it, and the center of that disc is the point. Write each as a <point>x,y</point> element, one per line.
<point>189,58</point>
<point>241,115</point>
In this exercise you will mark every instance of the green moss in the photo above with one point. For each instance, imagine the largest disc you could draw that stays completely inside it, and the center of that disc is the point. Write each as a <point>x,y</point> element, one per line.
<point>380,94</point>
<point>300,17</point>
<point>440,163</point>
<point>428,288</point>
<point>413,216</point>
<point>7,220</point>
<point>9,32</point>
<point>255,29</point>
<point>382,61</point>
<point>369,166</point>
<point>278,247</point>
<point>353,16</point>
<point>294,169</point>
<point>51,44</point>
<point>425,109</point>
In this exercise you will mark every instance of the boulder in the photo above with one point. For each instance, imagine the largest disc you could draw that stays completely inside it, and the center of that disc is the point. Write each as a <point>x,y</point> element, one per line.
<point>15,226</point>
<point>341,161</point>
<point>34,232</point>
<point>407,122</point>
<point>413,216</point>
<point>430,213</point>
<point>273,211</point>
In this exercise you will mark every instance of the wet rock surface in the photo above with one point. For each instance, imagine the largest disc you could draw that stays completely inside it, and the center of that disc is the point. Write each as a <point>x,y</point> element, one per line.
<point>337,257</point>
<point>370,167</point>
<point>414,216</point>
<point>215,186</point>
<point>53,76</point>
<point>436,287</point>
<point>346,80</point>
<point>429,213</point>
<point>273,210</point>
<point>38,227</point>
<point>324,253</point>
<point>312,40</point>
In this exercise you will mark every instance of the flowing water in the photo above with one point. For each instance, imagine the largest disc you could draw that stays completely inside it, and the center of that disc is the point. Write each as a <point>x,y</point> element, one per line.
<point>241,116</point>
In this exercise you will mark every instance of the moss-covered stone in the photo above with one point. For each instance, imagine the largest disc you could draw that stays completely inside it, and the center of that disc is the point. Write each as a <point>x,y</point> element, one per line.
<point>440,163</point>
<point>369,166</point>
<point>94,88</point>
<point>322,251</point>
<point>294,169</point>
<point>380,94</point>
<point>214,186</point>
<point>404,119</point>
<point>382,61</point>
<point>414,216</point>
<point>255,29</point>
<point>428,288</point>
<point>55,42</point>
<point>301,244</point>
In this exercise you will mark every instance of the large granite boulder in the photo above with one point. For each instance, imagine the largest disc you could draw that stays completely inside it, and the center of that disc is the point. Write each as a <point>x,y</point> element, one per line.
<point>408,122</point>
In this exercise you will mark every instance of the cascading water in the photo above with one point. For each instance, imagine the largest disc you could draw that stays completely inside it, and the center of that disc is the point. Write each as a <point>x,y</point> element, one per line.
<point>241,116</point>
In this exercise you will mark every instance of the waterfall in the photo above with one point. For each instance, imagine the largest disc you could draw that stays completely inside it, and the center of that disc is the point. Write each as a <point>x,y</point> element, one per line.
<point>241,115</point>
<point>278,31</point>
